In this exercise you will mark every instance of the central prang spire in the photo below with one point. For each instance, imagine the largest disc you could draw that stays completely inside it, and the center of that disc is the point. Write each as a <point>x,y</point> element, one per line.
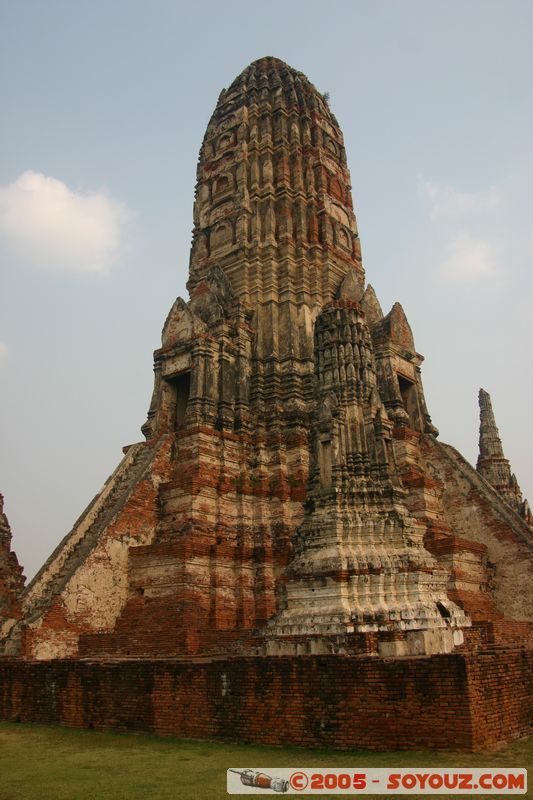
<point>293,405</point>
<point>273,207</point>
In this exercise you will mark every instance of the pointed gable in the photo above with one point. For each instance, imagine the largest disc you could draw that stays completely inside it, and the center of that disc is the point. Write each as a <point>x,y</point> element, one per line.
<point>179,324</point>
<point>371,306</point>
<point>397,329</point>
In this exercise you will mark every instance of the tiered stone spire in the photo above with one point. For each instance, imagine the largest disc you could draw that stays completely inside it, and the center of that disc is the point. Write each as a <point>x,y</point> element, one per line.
<point>274,236</point>
<point>274,243</point>
<point>11,577</point>
<point>274,230</point>
<point>273,193</point>
<point>493,465</point>
<point>359,564</point>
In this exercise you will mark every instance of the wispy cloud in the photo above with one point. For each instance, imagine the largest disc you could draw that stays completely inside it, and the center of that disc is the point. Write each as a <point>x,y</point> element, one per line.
<point>468,260</point>
<point>3,350</point>
<point>52,227</point>
<point>447,201</point>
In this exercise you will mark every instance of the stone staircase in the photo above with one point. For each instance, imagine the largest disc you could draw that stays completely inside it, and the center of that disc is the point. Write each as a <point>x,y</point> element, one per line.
<point>73,550</point>
<point>491,496</point>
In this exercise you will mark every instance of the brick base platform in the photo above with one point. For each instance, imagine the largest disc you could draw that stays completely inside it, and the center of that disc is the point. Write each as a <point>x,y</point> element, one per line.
<point>460,701</point>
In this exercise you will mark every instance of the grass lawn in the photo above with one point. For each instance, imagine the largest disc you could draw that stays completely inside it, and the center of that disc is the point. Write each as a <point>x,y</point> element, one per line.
<point>52,763</point>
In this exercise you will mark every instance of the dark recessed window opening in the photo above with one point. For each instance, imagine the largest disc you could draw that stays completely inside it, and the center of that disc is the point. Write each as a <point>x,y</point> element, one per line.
<point>325,464</point>
<point>443,611</point>
<point>182,386</point>
<point>410,400</point>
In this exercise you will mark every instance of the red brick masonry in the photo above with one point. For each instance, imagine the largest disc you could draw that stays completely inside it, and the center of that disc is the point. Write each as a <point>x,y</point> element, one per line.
<point>461,701</point>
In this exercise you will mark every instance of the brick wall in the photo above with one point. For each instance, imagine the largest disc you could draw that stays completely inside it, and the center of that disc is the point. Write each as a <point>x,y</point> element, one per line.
<point>455,701</point>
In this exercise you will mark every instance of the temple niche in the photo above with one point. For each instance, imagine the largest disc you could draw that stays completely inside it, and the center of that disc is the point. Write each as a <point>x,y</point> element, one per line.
<point>291,495</point>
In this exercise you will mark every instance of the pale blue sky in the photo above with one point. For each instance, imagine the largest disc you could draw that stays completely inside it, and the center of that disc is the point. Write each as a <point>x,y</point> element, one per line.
<point>104,106</point>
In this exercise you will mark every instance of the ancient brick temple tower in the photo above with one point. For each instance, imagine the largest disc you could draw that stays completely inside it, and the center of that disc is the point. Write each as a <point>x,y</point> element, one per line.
<point>291,496</point>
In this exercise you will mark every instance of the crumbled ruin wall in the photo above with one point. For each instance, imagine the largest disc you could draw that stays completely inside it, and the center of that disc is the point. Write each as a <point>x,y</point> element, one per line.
<point>476,511</point>
<point>442,702</point>
<point>84,584</point>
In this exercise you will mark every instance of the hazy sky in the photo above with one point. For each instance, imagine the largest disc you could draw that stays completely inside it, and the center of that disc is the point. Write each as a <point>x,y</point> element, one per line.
<point>104,105</point>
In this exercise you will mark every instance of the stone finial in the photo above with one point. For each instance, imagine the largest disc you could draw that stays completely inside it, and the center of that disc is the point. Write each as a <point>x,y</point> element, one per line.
<point>526,513</point>
<point>490,445</point>
<point>492,464</point>
<point>11,577</point>
<point>5,531</point>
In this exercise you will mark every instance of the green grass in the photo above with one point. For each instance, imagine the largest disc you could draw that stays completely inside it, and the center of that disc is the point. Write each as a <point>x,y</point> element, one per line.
<point>52,763</point>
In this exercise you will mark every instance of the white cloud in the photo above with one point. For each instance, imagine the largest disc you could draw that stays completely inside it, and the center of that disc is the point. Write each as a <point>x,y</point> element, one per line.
<point>49,226</point>
<point>468,260</point>
<point>447,201</point>
<point>4,350</point>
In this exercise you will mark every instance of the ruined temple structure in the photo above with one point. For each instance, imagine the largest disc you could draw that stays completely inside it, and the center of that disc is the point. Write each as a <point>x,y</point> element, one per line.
<point>292,501</point>
<point>11,577</point>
